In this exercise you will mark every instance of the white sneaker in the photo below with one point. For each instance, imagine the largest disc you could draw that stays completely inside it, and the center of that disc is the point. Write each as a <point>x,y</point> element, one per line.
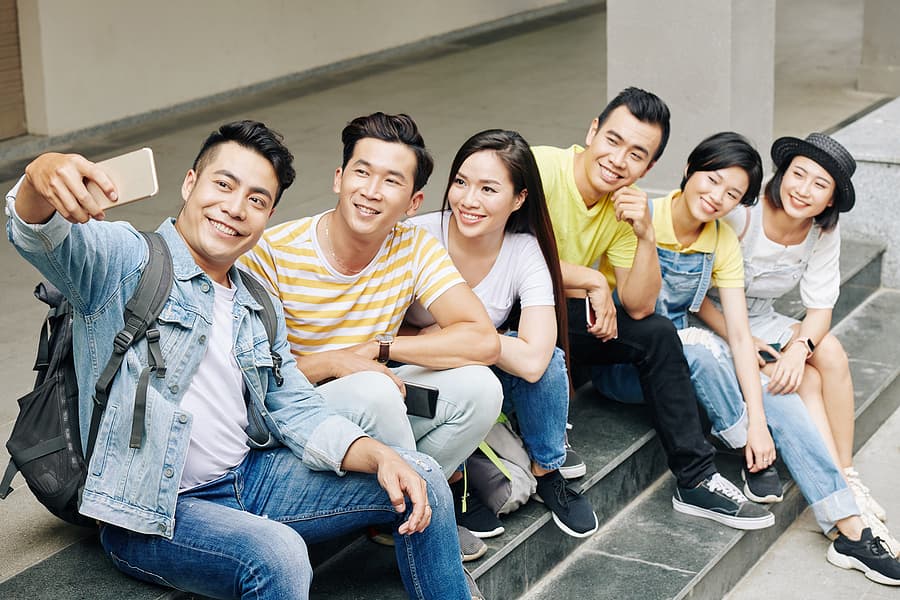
<point>863,496</point>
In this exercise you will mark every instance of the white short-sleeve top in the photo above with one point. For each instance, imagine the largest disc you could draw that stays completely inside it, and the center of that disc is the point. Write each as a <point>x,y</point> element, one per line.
<point>520,272</point>
<point>772,270</point>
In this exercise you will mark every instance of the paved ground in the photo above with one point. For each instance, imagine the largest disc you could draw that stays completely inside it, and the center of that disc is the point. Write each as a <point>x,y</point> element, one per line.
<point>548,83</point>
<point>798,557</point>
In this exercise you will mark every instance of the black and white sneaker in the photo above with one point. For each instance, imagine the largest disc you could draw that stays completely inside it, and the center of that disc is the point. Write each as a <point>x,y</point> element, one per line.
<point>763,486</point>
<point>472,514</point>
<point>572,512</point>
<point>718,499</point>
<point>868,555</point>
<point>574,467</point>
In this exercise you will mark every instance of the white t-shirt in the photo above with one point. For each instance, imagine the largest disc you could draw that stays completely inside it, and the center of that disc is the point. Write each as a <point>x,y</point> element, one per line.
<point>772,270</point>
<point>520,272</point>
<point>216,401</point>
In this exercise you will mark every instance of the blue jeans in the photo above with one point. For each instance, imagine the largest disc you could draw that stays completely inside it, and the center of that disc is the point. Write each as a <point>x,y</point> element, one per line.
<point>541,410</point>
<point>798,441</point>
<point>244,535</point>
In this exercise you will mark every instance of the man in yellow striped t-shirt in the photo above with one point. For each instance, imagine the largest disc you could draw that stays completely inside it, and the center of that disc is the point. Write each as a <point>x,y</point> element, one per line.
<point>347,276</point>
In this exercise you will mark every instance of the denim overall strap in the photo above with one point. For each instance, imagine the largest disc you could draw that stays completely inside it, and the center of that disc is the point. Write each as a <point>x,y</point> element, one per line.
<point>705,276</point>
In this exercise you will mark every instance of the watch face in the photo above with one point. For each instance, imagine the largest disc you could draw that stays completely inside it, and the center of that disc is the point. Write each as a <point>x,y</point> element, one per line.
<point>384,338</point>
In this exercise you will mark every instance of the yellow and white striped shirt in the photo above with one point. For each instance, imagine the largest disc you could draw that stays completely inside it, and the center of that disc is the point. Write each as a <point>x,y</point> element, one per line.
<point>327,310</point>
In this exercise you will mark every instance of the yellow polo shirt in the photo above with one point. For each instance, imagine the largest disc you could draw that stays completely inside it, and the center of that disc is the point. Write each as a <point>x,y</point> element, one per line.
<point>590,237</point>
<point>728,264</point>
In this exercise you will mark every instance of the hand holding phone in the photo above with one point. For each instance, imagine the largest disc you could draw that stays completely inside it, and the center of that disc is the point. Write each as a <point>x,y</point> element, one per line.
<point>133,174</point>
<point>421,400</point>
<point>768,356</point>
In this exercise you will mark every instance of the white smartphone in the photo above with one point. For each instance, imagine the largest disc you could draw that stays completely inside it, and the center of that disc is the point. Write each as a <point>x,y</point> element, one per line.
<point>133,174</point>
<point>589,315</point>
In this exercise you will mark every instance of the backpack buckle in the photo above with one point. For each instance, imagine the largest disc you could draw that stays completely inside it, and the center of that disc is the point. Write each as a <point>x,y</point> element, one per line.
<point>276,369</point>
<point>123,340</point>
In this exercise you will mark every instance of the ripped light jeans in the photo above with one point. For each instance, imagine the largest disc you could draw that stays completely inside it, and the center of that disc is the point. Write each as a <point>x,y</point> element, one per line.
<point>244,535</point>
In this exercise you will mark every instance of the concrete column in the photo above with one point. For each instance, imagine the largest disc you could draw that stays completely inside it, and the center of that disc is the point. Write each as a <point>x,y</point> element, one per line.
<point>711,61</point>
<point>880,68</point>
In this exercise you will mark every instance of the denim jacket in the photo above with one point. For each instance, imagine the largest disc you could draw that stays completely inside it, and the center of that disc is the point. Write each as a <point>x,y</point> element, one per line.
<point>97,266</point>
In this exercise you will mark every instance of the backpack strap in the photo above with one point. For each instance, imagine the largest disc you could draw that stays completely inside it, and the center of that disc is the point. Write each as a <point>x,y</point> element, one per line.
<point>140,313</point>
<point>269,319</point>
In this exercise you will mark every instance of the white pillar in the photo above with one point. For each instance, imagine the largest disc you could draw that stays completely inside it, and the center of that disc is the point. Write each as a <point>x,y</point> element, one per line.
<point>711,61</point>
<point>880,68</point>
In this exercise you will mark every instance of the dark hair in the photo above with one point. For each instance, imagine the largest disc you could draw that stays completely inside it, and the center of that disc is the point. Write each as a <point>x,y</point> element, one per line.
<point>723,150</point>
<point>532,217</point>
<point>399,129</point>
<point>255,136</point>
<point>827,219</point>
<point>646,107</point>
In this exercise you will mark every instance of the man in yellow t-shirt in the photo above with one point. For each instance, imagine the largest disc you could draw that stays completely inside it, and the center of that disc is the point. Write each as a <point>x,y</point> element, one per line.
<point>607,247</point>
<point>346,278</point>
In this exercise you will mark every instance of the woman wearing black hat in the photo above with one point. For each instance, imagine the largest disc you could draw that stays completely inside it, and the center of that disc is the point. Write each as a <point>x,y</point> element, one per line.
<point>792,237</point>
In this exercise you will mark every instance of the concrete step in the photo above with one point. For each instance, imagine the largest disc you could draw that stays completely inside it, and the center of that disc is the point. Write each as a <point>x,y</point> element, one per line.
<point>616,441</point>
<point>675,556</point>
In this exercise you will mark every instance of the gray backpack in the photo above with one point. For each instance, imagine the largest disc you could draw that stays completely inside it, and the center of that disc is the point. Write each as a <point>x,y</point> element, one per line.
<point>499,472</point>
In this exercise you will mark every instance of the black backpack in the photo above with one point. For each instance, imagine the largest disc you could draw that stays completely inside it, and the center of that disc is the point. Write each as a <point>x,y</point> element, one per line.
<point>45,444</point>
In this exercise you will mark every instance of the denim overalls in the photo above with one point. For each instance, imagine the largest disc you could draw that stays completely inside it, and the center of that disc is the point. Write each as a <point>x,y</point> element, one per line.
<point>685,281</point>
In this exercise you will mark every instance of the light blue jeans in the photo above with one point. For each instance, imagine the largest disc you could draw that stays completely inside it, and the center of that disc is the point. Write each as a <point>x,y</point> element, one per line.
<point>468,404</point>
<point>541,409</point>
<point>244,535</point>
<point>798,441</point>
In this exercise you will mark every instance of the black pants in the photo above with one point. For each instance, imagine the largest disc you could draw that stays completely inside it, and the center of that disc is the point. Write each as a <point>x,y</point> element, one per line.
<point>652,345</point>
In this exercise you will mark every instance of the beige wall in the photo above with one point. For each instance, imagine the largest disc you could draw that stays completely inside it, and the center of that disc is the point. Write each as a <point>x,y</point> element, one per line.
<point>94,61</point>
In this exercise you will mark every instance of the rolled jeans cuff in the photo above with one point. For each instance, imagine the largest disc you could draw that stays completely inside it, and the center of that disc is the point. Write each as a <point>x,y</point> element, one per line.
<point>831,509</point>
<point>735,436</point>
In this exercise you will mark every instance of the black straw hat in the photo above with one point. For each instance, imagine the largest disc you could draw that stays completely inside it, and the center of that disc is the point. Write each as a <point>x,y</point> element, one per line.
<point>831,155</point>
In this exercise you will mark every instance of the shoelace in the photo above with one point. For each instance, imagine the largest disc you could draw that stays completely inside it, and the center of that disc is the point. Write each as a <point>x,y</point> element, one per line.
<point>562,492</point>
<point>877,546</point>
<point>717,483</point>
<point>855,483</point>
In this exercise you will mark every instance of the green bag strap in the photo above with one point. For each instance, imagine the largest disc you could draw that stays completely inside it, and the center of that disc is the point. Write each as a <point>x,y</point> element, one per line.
<point>491,455</point>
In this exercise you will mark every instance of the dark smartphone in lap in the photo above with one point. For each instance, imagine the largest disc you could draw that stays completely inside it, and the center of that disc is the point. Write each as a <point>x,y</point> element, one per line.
<point>767,356</point>
<point>421,400</point>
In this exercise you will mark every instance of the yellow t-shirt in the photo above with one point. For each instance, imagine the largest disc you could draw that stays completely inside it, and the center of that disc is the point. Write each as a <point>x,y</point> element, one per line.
<point>584,235</point>
<point>327,310</point>
<point>728,265</point>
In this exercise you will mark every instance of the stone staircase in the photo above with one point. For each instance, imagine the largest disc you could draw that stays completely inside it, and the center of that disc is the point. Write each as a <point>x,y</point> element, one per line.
<point>644,549</point>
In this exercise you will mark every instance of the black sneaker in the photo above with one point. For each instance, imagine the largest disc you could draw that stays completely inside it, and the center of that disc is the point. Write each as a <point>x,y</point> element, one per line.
<point>472,514</point>
<point>572,512</point>
<point>868,555</point>
<point>718,499</point>
<point>763,486</point>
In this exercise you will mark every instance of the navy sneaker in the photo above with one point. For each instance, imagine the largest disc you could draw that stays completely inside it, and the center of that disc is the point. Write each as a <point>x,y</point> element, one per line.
<point>718,499</point>
<point>868,555</point>
<point>472,514</point>
<point>572,512</point>
<point>763,486</point>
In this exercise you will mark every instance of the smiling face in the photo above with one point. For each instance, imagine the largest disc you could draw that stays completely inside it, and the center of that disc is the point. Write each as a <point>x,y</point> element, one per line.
<point>619,152</point>
<point>482,196</point>
<point>227,205</point>
<point>807,189</point>
<point>375,189</point>
<point>709,195</point>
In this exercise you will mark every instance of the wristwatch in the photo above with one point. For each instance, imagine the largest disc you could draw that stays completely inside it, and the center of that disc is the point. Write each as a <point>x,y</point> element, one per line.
<point>384,346</point>
<point>810,346</point>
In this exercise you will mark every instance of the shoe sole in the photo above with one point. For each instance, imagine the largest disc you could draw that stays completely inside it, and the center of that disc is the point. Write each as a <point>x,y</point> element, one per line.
<point>848,562</point>
<point>770,499</point>
<point>565,529</point>
<point>475,556</point>
<point>573,472</point>
<point>483,535</point>
<point>743,523</point>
